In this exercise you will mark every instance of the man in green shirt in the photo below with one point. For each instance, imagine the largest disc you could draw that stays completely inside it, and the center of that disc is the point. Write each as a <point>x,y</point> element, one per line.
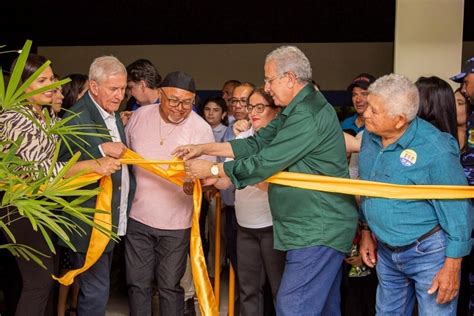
<point>315,228</point>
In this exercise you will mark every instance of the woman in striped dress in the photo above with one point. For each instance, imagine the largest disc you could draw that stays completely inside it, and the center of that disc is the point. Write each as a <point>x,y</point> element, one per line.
<point>27,129</point>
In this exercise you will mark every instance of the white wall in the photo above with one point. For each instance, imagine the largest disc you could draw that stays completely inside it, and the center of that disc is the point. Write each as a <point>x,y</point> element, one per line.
<point>428,37</point>
<point>334,64</point>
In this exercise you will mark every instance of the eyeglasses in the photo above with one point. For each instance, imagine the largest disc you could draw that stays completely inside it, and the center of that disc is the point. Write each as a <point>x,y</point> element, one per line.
<point>259,108</point>
<point>174,103</point>
<point>242,102</point>
<point>269,81</point>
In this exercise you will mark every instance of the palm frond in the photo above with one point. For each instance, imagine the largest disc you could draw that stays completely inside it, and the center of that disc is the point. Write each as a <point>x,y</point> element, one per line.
<point>26,252</point>
<point>51,204</point>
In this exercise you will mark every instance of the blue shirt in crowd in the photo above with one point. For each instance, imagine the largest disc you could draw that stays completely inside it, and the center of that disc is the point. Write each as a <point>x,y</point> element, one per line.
<point>422,156</point>
<point>228,195</point>
<point>349,124</point>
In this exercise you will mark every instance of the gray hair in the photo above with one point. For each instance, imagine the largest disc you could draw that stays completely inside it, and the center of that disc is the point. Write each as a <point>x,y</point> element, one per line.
<point>400,95</point>
<point>291,59</point>
<point>105,66</point>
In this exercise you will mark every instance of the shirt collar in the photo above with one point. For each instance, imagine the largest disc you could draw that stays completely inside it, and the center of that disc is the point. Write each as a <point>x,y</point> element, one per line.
<point>409,134</point>
<point>105,115</point>
<point>220,127</point>
<point>307,89</point>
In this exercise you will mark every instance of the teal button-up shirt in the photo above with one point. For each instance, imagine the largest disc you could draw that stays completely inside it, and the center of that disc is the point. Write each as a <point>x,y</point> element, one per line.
<point>305,137</point>
<point>422,155</point>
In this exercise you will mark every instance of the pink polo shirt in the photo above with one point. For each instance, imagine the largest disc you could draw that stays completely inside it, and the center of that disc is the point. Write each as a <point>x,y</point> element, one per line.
<point>159,203</point>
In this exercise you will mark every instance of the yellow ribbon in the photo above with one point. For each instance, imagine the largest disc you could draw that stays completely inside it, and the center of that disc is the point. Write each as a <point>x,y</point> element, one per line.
<point>176,175</point>
<point>99,241</point>
<point>371,188</point>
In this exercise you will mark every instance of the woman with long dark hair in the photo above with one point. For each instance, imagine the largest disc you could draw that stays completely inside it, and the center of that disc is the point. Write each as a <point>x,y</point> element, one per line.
<point>73,90</point>
<point>437,104</point>
<point>462,114</point>
<point>35,145</point>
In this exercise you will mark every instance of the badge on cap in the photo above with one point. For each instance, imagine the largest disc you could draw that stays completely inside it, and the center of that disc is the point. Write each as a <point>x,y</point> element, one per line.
<point>408,157</point>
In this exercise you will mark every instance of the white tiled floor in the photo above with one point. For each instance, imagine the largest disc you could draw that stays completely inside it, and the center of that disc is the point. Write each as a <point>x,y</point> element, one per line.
<point>118,302</point>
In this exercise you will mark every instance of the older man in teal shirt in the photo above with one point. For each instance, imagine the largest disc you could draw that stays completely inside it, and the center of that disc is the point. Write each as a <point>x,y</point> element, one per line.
<point>315,228</point>
<point>421,242</point>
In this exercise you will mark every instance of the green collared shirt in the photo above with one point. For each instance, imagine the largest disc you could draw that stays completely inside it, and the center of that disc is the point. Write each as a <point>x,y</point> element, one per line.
<point>305,137</point>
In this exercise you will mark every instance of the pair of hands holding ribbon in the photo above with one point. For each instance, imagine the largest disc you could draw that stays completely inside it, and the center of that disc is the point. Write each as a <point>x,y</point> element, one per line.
<point>195,168</point>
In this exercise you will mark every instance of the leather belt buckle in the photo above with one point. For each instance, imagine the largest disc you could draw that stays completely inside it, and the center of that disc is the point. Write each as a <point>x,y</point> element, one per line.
<point>435,229</point>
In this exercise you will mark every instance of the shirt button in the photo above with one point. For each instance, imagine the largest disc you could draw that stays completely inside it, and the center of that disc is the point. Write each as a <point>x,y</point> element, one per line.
<point>119,188</point>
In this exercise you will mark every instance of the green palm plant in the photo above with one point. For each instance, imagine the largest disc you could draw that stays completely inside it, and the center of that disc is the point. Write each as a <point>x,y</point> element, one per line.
<point>34,194</point>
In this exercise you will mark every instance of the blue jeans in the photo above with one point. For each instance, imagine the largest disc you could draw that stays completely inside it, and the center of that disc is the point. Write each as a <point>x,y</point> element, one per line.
<point>311,282</point>
<point>402,275</point>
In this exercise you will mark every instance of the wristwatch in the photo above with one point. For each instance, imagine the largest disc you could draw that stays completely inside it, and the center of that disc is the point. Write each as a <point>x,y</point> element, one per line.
<point>215,170</point>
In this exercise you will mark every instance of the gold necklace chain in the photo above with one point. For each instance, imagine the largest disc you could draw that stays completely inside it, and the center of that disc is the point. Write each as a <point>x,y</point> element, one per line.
<point>162,139</point>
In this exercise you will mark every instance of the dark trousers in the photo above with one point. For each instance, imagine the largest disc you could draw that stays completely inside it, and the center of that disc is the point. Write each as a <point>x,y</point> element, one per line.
<point>257,260</point>
<point>37,282</point>
<point>10,281</point>
<point>465,293</point>
<point>155,254</point>
<point>202,226</point>
<point>94,285</point>
<point>358,293</point>
<point>230,231</point>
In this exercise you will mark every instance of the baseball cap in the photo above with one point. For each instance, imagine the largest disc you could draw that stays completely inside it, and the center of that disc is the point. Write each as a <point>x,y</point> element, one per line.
<point>180,80</point>
<point>466,69</point>
<point>362,81</point>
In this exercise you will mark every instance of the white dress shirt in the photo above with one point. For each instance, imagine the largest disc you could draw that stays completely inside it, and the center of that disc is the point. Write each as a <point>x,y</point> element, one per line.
<point>111,123</point>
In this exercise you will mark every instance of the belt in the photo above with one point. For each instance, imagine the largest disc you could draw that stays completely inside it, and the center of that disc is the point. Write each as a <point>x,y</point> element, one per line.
<point>435,229</point>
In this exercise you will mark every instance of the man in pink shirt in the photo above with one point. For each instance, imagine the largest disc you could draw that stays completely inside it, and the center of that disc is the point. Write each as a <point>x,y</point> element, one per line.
<point>157,241</point>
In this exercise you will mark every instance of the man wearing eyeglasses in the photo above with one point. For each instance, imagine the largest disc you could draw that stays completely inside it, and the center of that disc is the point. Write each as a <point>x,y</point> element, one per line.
<point>315,228</point>
<point>157,241</point>
<point>227,91</point>
<point>239,102</point>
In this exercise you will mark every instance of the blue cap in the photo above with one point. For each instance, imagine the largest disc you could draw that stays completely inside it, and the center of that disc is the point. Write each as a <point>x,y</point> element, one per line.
<point>468,68</point>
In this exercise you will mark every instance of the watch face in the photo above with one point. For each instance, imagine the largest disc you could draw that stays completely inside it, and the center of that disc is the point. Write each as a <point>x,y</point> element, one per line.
<point>215,170</point>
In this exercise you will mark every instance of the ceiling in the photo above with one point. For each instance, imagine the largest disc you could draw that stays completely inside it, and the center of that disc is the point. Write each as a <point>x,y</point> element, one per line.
<point>125,22</point>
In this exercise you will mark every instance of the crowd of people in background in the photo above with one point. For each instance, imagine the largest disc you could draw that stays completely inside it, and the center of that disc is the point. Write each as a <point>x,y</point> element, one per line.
<point>294,251</point>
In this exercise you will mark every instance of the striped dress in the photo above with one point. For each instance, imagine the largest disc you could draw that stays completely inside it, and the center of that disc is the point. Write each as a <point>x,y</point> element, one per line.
<point>36,146</point>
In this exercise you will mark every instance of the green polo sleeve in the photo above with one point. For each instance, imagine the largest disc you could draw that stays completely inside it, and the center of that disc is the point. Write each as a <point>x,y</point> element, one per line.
<point>297,137</point>
<point>252,145</point>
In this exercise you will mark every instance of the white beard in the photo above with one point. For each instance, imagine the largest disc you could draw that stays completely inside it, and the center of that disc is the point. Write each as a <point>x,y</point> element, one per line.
<point>176,122</point>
